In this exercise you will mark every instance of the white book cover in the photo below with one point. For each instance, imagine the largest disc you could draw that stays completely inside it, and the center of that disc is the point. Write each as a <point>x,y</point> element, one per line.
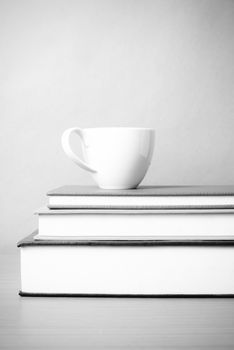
<point>134,223</point>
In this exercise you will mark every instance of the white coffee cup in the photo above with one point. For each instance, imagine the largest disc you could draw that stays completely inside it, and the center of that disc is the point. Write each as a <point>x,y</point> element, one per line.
<point>118,158</point>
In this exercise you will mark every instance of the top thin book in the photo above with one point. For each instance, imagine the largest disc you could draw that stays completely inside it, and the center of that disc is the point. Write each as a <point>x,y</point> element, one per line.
<point>144,197</point>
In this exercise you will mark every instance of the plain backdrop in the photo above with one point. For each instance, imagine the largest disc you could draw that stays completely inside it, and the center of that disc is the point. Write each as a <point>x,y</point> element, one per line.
<point>151,63</point>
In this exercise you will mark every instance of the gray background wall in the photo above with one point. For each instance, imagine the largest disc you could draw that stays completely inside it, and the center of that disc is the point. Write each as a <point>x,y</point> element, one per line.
<point>161,64</point>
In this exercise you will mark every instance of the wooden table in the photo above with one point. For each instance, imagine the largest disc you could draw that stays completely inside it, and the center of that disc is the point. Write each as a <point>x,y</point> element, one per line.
<point>110,323</point>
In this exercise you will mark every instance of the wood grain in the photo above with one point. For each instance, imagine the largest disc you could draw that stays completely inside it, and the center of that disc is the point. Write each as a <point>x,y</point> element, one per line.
<point>109,323</point>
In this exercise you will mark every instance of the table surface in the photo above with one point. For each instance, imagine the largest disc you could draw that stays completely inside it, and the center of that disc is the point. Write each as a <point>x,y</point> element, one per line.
<point>109,323</point>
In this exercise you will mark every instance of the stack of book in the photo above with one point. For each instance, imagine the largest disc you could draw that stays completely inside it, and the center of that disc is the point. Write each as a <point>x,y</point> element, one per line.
<point>150,241</point>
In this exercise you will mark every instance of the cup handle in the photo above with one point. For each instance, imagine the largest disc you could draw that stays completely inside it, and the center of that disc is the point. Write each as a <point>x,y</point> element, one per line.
<point>69,152</point>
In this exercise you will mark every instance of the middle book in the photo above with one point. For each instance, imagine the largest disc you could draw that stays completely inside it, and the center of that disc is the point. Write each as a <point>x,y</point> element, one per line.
<point>135,224</point>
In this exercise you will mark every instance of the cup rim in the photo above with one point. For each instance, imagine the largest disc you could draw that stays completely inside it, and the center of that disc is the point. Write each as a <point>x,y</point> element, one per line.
<point>119,128</point>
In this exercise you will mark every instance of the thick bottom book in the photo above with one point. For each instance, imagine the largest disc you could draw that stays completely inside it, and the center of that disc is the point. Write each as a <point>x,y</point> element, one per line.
<point>144,268</point>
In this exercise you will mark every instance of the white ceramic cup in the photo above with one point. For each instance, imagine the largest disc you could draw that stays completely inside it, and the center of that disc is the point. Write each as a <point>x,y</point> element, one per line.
<point>118,158</point>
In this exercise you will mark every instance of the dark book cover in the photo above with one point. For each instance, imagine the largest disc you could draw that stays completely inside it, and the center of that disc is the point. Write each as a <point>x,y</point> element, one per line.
<point>30,241</point>
<point>75,190</point>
